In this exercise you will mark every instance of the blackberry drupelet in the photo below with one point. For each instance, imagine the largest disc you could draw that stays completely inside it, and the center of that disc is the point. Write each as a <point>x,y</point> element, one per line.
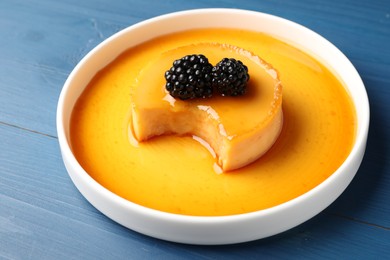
<point>230,77</point>
<point>189,77</point>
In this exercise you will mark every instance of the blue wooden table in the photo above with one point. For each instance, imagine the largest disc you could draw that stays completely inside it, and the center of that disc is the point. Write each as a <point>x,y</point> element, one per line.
<point>42,214</point>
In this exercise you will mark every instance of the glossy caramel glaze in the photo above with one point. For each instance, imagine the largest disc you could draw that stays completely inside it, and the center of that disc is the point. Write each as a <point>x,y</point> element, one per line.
<point>175,174</point>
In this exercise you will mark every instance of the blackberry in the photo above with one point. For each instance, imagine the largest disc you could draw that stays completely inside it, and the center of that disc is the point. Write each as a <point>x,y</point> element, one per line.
<point>230,77</point>
<point>189,77</point>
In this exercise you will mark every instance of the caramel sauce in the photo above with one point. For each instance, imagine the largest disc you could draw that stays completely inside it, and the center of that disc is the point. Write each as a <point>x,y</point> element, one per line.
<point>176,174</point>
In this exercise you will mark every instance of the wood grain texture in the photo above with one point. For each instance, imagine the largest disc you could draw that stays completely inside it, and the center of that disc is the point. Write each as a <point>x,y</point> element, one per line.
<point>43,216</point>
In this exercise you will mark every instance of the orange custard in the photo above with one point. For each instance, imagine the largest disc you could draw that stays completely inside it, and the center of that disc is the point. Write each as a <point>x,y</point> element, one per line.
<point>175,174</point>
<point>237,130</point>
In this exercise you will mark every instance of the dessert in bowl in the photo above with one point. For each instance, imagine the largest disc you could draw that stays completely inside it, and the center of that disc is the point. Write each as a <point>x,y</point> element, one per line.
<point>167,187</point>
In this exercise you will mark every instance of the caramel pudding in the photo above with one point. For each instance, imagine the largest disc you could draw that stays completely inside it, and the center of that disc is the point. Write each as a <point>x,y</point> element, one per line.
<point>238,130</point>
<point>174,173</point>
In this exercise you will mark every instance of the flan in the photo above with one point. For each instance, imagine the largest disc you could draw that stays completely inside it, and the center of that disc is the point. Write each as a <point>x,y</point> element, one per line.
<point>238,130</point>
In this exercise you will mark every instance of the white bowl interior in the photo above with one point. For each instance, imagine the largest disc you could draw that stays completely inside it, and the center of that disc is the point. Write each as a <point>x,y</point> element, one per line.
<point>213,230</point>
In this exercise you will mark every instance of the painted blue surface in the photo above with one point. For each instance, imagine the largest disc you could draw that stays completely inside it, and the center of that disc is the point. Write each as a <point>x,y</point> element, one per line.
<point>43,216</point>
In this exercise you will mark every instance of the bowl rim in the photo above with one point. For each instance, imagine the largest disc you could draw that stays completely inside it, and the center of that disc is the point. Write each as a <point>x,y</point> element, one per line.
<point>357,149</point>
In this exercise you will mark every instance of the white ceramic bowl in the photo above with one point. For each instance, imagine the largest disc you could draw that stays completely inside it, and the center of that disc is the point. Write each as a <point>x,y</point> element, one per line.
<point>224,229</point>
